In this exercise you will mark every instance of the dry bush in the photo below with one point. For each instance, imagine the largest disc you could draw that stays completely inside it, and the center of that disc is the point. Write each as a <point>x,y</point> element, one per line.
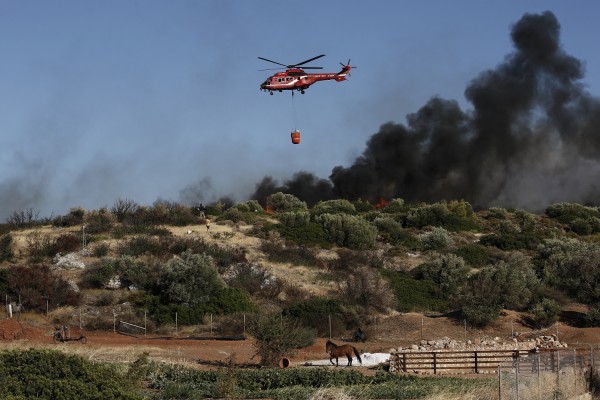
<point>295,294</point>
<point>571,382</point>
<point>230,325</point>
<point>366,288</point>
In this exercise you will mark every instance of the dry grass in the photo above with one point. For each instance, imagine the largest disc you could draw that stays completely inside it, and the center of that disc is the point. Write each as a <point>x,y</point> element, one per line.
<point>570,383</point>
<point>331,394</point>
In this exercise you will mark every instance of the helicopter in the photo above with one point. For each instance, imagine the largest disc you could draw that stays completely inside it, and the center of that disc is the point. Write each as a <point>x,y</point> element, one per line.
<point>294,78</point>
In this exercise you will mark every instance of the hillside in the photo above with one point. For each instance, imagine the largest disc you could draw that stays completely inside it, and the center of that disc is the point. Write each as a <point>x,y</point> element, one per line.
<point>401,272</point>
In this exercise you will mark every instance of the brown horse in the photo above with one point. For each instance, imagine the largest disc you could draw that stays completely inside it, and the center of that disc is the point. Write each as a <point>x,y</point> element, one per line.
<point>336,351</point>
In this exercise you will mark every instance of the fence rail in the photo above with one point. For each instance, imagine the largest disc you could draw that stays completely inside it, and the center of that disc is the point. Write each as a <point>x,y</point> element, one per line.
<point>447,361</point>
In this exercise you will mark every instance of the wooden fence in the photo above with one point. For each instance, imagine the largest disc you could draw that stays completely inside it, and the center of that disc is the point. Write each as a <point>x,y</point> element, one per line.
<point>452,361</point>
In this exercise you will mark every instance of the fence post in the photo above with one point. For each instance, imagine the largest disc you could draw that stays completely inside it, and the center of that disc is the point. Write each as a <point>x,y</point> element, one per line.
<point>557,371</point>
<point>591,366</point>
<point>517,379</point>
<point>329,316</point>
<point>476,366</point>
<point>145,323</point>
<point>499,383</point>
<point>176,333</point>
<point>434,363</point>
<point>537,358</point>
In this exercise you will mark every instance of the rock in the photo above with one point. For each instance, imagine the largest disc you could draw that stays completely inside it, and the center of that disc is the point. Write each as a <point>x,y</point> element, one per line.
<point>68,261</point>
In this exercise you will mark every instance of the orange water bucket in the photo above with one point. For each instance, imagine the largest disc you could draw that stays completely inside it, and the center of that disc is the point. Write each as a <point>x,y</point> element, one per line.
<point>296,137</point>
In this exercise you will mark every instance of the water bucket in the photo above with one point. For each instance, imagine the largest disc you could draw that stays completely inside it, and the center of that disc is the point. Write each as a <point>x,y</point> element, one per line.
<point>284,363</point>
<point>296,137</point>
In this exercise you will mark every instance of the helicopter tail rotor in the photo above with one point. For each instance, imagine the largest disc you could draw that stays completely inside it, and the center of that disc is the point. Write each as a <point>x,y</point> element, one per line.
<point>346,68</point>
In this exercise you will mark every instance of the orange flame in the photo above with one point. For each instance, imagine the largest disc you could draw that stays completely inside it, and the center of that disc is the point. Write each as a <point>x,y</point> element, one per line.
<point>381,203</point>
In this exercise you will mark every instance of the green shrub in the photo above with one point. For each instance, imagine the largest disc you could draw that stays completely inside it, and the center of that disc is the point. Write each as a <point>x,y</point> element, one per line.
<point>190,279</point>
<point>179,382</point>
<point>310,234</point>
<point>222,256</point>
<point>280,202</point>
<point>362,206</point>
<point>143,244</point>
<point>348,230</point>
<point>510,237</point>
<point>454,216</point>
<point>48,374</point>
<point>510,284</point>
<point>295,219</point>
<point>573,266</point>
<point>252,206</point>
<point>545,313</point>
<point>414,295</point>
<point>474,254</point>
<point>391,231</point>
<point>101,250</point>
<point>448,271</point>
<point>566,212</point>
<point>226,300</point>
<point>276,335</point>
<point>233,215</point>
<point>98,275</point>
<point>480,311</point>
<point>74,217</point>
<point>498,213</point>
<point>581,226</point>
<point>334,207</point>
<point>436,239</point>
<point>395,206</point>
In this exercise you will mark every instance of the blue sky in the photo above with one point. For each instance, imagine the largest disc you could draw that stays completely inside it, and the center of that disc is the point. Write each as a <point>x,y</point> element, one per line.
<point>101,100</point>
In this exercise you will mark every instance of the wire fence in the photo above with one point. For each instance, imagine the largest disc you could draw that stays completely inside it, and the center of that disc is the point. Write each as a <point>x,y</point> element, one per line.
<point>556,374</point>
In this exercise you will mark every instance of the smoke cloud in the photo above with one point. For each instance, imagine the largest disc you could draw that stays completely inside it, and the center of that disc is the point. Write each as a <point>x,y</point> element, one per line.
<point>531,139</point>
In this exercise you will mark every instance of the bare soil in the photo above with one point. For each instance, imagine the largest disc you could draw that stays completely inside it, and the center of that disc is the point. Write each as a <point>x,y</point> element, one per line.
<point>383,335</point>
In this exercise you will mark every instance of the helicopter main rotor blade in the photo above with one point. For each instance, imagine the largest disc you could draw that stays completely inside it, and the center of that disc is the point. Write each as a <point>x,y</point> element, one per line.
<point>307,61</point>
<point>274,62</point>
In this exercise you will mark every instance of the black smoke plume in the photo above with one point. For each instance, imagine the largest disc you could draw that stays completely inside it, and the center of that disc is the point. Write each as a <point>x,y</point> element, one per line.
<point>531,139</point>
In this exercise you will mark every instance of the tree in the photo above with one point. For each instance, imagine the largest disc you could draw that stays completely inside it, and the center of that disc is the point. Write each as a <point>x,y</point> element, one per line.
<point>573,266</point>
<point>449,271</point>
<point>190,279</point>
<point>276,335</point>
<point>510,284</point>
<point>124,208</point>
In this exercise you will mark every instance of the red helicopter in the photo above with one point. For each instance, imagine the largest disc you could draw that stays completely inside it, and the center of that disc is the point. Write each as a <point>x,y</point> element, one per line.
<point>294,78</point>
